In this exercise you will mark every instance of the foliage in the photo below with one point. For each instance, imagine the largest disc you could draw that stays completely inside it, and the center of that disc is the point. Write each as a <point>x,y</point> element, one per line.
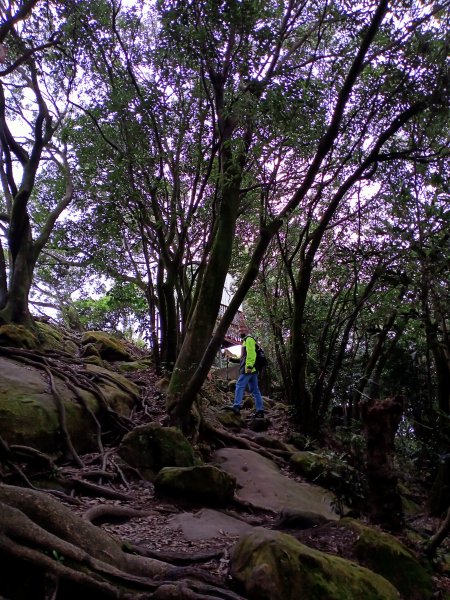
<point>305,142</point>
<point>122,308</point>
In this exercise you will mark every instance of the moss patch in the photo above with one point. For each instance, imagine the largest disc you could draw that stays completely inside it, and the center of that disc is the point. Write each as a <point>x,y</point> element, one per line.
<point>384,554</point>
<point>17,336</point>
<point>151,447</point>
<point>274,566</point>
<point>108,347</point>
<point>205,484</point>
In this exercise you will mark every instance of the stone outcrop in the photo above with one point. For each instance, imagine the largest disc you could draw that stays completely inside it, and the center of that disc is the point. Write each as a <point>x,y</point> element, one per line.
<point>262,485</point>
<point>384,554</point>
<point>29,409</point>
<point>108,347</point>
<point>206,484</point>
<point>151,447</point>
<point>270,565</point>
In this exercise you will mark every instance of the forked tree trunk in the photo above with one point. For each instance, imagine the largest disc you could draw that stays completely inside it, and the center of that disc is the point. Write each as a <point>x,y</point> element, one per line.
<point>381,419</point>
<point>203,320</point>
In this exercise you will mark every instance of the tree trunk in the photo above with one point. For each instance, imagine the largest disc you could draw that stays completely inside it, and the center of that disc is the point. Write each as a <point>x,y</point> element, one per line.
<point>381,419</point>
<point>441,357</point>
<point>204,316</point>
<point>3,279</point>
<point>16,309</point>
<point>440,535</point>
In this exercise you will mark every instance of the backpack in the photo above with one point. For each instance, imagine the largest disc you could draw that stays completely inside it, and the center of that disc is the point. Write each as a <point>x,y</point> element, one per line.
<point>261,360</point>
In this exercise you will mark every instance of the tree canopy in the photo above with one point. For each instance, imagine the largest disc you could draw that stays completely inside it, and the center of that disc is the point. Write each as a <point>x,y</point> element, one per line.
<point>149,151</point>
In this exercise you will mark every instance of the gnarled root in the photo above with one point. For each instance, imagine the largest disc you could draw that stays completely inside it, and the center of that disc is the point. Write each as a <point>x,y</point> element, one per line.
<point>61,556</point>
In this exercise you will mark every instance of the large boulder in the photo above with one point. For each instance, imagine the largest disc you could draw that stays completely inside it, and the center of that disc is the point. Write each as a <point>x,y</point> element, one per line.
<point>262,485</point>
<point>151,447</point>
<point>205,484</point>
<point>17,336</point>
<point>385,555</point>
<point>55,338</point>
<point>29,412</point>
<point>42,337</point>
<point>108,347</point>
<point>270,565</point>
<point>120,393</point>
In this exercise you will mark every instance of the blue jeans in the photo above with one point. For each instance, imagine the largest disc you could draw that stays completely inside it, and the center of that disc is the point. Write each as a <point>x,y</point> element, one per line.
<point>250,380</point>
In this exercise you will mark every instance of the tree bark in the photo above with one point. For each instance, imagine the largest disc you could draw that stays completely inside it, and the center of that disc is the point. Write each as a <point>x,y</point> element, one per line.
<point>381,419</point>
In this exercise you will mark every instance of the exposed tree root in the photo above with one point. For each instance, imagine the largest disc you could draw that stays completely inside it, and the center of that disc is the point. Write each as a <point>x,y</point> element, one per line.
<point>243,442</point>
<point>104,514</point>
<point>174,558</point>
<point>440,535</point>
<point>98,490</point>
<point>56,551</point>
<point>73,373</point>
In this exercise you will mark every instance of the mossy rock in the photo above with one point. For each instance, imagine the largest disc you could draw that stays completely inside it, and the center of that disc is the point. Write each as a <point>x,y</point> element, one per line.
<point>54,338</point>
<point>17,336</point>
<point>28,409</point>
<point>132,367</point>
<point>229,419</point>
<point>120,393</point>
<point>151,447</point>
<point>94,360</point>
<point>271,565</point>
<point>310,465</point>
<point>205,484</point>
<point>298,440</point>
<point>89,350</point>
<point>109,348</point>
<point>28,412</point>
<point>328,471</point>
<point>385,555</point>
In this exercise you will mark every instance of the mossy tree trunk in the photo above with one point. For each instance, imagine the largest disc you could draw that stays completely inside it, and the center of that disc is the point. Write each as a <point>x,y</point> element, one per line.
<point>15,308</point>
<point>204,316</point>
<point>381,419</point>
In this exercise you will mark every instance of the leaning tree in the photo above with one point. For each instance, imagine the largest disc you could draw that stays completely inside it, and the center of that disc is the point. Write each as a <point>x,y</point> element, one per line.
<point>372,94</point>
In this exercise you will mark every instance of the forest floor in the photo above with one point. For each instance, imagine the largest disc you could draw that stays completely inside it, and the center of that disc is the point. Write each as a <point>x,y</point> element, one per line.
<point>156,532</point>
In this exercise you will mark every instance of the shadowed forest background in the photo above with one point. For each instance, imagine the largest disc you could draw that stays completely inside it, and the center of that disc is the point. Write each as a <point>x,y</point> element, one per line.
<point>151,150</point>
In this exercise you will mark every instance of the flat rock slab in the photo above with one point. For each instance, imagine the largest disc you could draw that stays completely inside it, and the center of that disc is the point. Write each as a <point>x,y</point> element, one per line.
<point>207,524</point>
<point>261,484</point>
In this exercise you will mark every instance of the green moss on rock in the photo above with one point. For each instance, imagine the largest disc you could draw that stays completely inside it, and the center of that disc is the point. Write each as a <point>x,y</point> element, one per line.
<point>131,367</point>
<point>274,566</point>
<point>17,336</point>
<point>28,413</point>
<point>228,419</point>
<point>120,392</point>
<point>385,555</point>
<point>54,338</point>
<point>108,347</point>
<point>151,447</point>
<point>206,484</point>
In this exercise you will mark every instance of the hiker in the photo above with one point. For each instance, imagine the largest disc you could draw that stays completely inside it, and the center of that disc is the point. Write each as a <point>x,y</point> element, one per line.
<point>248,375</point>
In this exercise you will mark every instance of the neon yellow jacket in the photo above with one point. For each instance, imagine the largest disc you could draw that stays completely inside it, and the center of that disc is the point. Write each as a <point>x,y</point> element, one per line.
<point>248,354</point>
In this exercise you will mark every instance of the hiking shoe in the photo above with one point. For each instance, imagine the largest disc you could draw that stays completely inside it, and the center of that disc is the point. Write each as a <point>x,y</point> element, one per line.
<point>235,409</point>
<point>259,414</point>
